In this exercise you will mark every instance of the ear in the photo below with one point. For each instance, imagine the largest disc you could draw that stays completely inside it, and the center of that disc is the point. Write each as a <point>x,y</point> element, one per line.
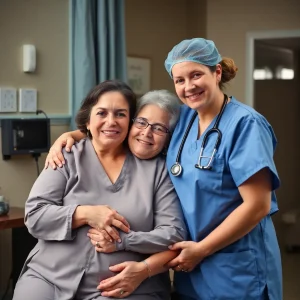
<point>218,72</point>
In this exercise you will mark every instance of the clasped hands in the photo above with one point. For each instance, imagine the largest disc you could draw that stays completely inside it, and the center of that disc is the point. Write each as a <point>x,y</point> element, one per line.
<point>131,274</point>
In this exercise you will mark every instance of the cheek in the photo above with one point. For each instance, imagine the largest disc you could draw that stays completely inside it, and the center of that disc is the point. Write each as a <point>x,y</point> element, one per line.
<point>133,133</point>
<point>179,90</point>
<point>160,143</point>
<point>93,125</point>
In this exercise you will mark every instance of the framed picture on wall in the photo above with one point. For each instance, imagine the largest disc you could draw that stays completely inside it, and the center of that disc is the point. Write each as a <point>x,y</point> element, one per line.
<point>139,74</point>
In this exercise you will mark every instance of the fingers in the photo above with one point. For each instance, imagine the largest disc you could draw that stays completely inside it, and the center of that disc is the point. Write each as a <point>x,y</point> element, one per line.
<point>112,233</point>
<point>177,246</point>
<point>97,246</point>
<point>116,232</point>
<point>173,263</point>
<point>116,293</point>
<point>114,218</point>
<point>181,268</point>
<point>118,268</point>
<point>109,283</point>
<point>100,236</point>
<point>60,158</point>
<point>178,268</point>
<point>123,221</point>
<point>49,161</point>
<point>120,225</point>
<point>94,231</point>
<point>57,159</point>
<point>106,236</point>
<point>70,142</point>
<point>54,158</point>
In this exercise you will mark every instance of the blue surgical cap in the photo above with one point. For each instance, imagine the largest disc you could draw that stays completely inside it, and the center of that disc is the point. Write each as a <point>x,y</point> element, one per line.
<point>197,50</point>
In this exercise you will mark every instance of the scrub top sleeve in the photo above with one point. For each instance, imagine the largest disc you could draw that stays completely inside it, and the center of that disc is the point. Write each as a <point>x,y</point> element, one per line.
<point>45,216</point>
<point>253,147</point>
<point>168,224</point>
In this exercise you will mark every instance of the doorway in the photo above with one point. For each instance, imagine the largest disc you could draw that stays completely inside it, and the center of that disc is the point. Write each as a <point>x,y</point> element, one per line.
<point>272,88</point>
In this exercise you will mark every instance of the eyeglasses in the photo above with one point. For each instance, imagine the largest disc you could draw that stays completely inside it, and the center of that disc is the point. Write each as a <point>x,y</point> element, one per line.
<point>156,128</point>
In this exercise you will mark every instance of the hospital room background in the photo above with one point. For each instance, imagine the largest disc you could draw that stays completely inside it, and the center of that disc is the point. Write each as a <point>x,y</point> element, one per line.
<point>263,37</point>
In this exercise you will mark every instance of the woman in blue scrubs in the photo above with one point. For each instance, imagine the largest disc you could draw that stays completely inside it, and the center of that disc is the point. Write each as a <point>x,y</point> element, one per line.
<point>233,251</point>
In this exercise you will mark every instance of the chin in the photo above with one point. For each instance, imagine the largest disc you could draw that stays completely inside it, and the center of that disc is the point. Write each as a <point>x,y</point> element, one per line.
<point>140,155</point>
<point>144,154</point>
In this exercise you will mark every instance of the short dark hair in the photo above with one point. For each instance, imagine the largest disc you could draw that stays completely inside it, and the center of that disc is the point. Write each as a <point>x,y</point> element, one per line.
<point>84,113</point>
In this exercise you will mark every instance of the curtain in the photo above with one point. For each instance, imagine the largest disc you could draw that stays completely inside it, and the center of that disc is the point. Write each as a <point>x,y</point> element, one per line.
<point>98,49</point>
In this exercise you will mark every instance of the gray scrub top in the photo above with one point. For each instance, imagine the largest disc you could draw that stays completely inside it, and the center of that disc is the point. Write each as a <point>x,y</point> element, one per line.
<point>143,194</point>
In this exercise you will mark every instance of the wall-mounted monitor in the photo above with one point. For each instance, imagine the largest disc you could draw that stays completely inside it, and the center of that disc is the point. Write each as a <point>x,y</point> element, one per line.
<point>25,136</point>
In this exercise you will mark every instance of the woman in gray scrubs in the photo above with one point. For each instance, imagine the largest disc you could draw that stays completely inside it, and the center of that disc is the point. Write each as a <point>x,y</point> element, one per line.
<point>64,204</point>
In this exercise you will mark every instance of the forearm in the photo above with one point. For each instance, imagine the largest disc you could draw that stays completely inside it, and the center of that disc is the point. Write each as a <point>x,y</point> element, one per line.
<point>77,135</point>
<point>240,222</point>
<point>154,241</point>
<point>49,222</point>
<point>79,216</point>
<point>157,262</point>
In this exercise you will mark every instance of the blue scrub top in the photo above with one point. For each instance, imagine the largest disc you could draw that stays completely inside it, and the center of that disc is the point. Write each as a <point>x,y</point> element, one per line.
<point>244,269</point>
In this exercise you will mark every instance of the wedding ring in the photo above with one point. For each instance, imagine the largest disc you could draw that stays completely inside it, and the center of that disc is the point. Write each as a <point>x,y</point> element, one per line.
<point>97,245</point>
<point>121,292</point>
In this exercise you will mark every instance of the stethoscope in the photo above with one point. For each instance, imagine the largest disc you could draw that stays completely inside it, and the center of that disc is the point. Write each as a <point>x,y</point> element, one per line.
<point>176,169</point>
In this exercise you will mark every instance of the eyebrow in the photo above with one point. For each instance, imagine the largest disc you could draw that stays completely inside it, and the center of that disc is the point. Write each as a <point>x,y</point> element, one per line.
<point>156,123</point>
<point>117,109</point>
<point>194,71</point>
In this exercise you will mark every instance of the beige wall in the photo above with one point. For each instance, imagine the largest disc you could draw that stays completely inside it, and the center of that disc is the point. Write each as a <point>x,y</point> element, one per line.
<point>44,24</point>
<point>229,21</point>
<point>154,27</point>
<point>272,97</point>
<point>196,19</point>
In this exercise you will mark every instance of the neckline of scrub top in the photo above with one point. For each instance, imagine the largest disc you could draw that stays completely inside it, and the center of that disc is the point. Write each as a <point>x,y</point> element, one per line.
<point>211,124</point>
<point>103,175</point>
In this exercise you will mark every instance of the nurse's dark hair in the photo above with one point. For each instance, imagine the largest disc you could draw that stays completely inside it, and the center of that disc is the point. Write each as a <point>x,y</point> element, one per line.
<point>229,70</point>
<point>84,113</point>
<point>165,100</point>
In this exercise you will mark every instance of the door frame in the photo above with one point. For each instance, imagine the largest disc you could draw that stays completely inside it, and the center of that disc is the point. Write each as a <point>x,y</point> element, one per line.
<point>250,39</point>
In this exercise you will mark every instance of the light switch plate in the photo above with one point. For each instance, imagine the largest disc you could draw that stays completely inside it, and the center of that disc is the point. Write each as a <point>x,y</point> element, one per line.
<point>27,100</point>
<point>8,99</point>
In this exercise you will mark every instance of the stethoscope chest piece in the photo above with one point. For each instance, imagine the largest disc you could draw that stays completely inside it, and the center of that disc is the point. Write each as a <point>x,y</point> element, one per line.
<point>176,169</point>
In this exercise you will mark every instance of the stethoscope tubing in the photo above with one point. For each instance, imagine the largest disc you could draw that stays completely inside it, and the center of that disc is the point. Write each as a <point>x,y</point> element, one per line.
<point>176,168</point>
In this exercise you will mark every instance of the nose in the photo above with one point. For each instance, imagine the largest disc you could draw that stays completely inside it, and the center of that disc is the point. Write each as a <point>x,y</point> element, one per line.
<point>147,131</point>
<point>111,120</point>
<point>189,85</point>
